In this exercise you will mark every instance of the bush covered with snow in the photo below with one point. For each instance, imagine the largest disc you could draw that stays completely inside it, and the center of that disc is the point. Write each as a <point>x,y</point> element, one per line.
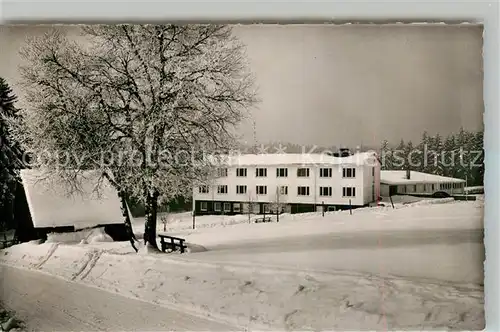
<point>433,201</point>
<point>8,321</point>
<point>84,236</point>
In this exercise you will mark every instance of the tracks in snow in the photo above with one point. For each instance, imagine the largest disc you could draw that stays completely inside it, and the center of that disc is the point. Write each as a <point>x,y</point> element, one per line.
<point>91,259</point>
<point>47,256</point>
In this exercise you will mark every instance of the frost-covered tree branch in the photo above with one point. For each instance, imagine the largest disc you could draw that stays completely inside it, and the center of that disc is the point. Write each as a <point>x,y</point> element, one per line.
<point>140,103</point>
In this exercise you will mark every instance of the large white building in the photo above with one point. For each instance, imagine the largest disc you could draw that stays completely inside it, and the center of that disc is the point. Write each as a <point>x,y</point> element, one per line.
<point>418,183</point>
<point>264,183</point>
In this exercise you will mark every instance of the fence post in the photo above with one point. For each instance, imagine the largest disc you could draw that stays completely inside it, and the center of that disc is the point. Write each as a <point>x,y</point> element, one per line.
<point>323,208</point>
<point>350,207</point>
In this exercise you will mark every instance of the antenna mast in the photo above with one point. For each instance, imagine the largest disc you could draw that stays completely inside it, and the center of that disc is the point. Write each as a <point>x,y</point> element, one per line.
<point>254,137</point>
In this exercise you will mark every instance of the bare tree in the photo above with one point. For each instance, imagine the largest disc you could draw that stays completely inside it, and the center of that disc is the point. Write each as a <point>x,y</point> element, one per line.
<point>142,104</point>
<point>251,205</point>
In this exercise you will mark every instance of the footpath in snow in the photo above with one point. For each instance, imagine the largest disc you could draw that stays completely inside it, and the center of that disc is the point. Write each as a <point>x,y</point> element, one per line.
<point>276,298</point>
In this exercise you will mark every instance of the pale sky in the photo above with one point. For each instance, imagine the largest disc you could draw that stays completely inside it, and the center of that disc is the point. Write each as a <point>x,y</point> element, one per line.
<point>350,84</point>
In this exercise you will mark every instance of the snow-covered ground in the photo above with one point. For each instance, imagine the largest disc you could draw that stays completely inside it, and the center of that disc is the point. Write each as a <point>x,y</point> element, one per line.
<point>183,222</point>
<point>265,294</point>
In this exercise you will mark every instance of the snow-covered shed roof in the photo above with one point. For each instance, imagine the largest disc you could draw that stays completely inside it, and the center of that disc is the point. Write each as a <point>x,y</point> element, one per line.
<point>282,159</point>
<point>399,177</point>
<point>53,203</point>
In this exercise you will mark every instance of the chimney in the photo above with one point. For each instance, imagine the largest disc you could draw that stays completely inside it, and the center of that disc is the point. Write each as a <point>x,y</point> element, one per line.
<point>407,174</point>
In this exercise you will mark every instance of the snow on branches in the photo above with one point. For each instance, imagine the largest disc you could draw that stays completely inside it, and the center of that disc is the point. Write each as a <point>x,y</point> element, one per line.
<point>144,102</point>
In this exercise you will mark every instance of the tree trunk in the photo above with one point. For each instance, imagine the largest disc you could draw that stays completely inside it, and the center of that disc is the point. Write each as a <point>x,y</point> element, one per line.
<point>151,209</point>
<point>126,218</point>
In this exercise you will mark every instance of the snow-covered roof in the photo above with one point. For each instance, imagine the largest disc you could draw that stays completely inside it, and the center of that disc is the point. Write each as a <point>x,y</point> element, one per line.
<point>399,177</point>
<point>53,203</point>
<point>282,159</point>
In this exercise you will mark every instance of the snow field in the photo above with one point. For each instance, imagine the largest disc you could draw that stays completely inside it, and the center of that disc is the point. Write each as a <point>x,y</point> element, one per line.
<point>182,223</point>
<point>259,297</point>
<point>448,215</point>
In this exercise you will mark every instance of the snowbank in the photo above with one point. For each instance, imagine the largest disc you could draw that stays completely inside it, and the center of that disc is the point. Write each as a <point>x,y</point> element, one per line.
<point>433,201</point>
<point>183,222</point>
<point>84,236</point>
<point>416,216</point>
<point>257,297</point>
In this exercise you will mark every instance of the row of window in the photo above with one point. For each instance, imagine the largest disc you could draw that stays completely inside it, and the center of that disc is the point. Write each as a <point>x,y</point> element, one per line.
<point>219,207</point>
<point>447,186</point>
<point>283,190</point>
<point>226,207</point>
<point>431,187</point>
<point>283,172</point>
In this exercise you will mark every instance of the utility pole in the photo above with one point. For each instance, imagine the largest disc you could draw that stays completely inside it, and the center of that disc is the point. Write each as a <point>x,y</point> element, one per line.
<point>278,208</point>
<point>466,191</point>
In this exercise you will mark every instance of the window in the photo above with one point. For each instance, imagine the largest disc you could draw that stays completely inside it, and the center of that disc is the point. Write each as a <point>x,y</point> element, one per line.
<point>302,191</point>
<point>222,172</point>
<point>236,207</point>
<point>261,190</point>
<point>432,186</point>
<point>241,172</point>
<point>282,172</point>
<point>203,189</point>
<point>349,172</point>
<point>222,189</point>
<point>325,191</point>
<point>267,208</point>
<point>348,191</point>
<point>261,172</point>
<point>241,189</point>
<point>325,172</point>
<point>415,188</point>
<point>217,206</point>
<point>203,206</point>
<point>303,172</point>
<point>284,190</point>
<point>227,207</point>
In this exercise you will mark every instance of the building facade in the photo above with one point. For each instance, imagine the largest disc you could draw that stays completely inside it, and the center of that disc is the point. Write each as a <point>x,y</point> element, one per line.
<point>418,183</point>
<point>291,183</point>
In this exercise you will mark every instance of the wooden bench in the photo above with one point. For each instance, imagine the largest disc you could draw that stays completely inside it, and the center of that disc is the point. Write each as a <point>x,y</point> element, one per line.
<point>175,242</point>
<point>263,219</point>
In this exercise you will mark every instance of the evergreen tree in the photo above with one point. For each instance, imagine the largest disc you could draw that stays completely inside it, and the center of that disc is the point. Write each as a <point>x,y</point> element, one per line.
<point>461,158</point>
<point>10,156</point>
<point>386,156</point>
<point>448,158</point>
<point>409,153</point>
<point>478,160</point>
<point>434,165</point>
<point>423,148</point>
<point>398,159</point>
